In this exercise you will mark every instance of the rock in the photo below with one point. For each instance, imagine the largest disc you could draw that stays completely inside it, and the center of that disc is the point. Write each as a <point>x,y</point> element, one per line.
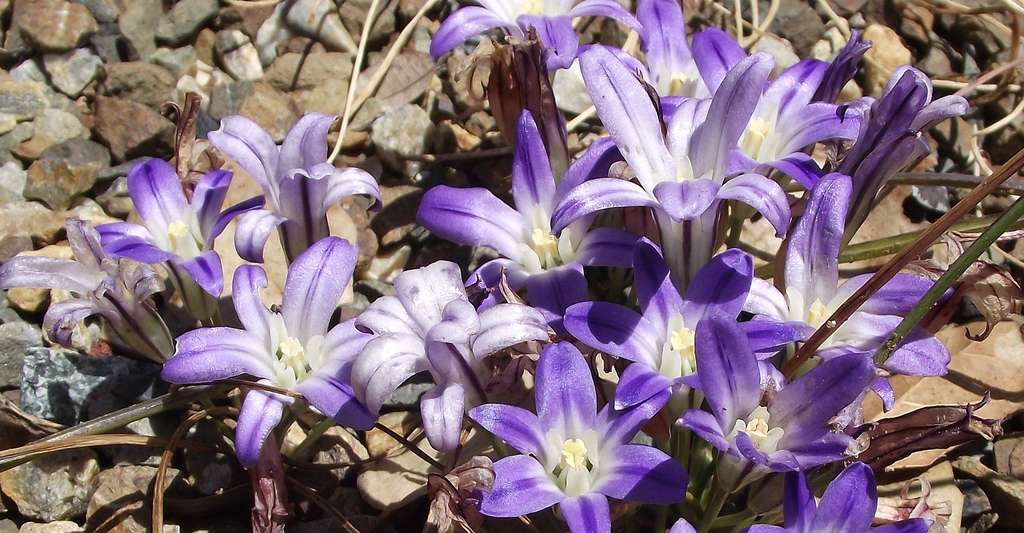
<point>325,99</point>
<point>975,501</point>
<point>936,63</point>
<point>55,487</point>
<point>887,53</point>
<point>138,24</point>
<point>72,71</point>
<point>1005,492</point>
<point>104,11</point>
<point>12,181</point>
<point>397,217</point>
<point>140,82</point>
<point>132,129</point>
<point>780,50</point>
<point>177,61</point>
<point>184,20</point>
<point>402,134</point>
<point>337,446</point>
<point>115,199</point>
<point>319,19</point>
<point>800,23</point>
<point>29,219</point>
<point>8,526</point>
<point>1009,453</point>
<point>54,25</point>
<point>15,339</point>
<point>121,499</point>
<point>407,80</point>
<point>238,56</point>
<point>408,396</point>
<point>261,102</point>
<point>59,385</point>
<point>68,170</point>
<point>355,12</point>
<point>308,71</point>
<point>28,70</point>
<point>22,100</point>
<point>51,127</point>
<point>111,45</point>
<point>62,526</point>
<point>570,92</point>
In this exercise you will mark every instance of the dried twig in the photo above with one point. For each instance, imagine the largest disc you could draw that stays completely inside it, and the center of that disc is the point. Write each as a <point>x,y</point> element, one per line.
<point>357,66</point>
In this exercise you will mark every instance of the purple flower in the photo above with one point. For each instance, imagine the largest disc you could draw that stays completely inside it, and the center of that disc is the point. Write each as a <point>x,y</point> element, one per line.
<point>299,183</point>
<point>681,170</point>
<point>119,290</point>
<point>430,326</point>
<point>175,230</point>
<point>551,18</point>
<point>891,137</point>
<point>549,264</point>
<point>847,506</point>
<point>789,430</point>
<point>573,455</point>
<point>811,292</point>
<point>660,339</point>
<point>292,349</point>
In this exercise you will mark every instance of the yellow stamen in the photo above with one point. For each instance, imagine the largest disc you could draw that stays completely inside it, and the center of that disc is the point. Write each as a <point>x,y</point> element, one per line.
<point>291,352</point>
<point>817,313</point>
<point>677,85</point>
<point>176,231</point>
<point>574,453</point>
<point>533,7</point>
<point>757,132</point>
<point>683,341</point>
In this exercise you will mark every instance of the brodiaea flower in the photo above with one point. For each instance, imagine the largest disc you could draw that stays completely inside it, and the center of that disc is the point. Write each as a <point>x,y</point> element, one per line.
<point>299,183</point>
<point>847,506</point>
<point>811,292</point>
<point>291,349</point>
<point>790,431</point>
<point>430,326</point>
<point>552,19</point>
<point>175,230</point>
<point>573,455</point>
<point>549,264</point>
<point>119,290</point>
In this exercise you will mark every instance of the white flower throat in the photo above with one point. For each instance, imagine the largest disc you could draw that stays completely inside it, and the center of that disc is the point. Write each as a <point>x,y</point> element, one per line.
<point>573,462</point>
<point>292,360</point>
<point>758,427</point>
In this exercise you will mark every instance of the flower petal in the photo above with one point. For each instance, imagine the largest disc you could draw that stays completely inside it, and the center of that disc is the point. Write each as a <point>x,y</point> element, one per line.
<point>588,513</point>
<point>629,114</point>
<point>798,502</point>
<point>208,198</point>
<point>767,336</point>
<point>441,408</point>
<point>533,184</point>
<point>804,407</point>
<point>643,474</point>
<point>261,412</point>
<point>849,502</point>
<point>254,228</point>
<point>316,280</point>
<point>705,425</point>
<point>556,33</point>
<point>897,297</point>
<point>719,288</point>
<point>595,162</point>
<point>716,53</point>
<point>920,354</point>
<point>62,317</point>
<point>597,195</point>
<point>727,369</point>
<point>764,195</point>
<point>686,200</point>
<point>385,363</point>
<point>157,195</point>
<point>521,486</point>
<point>245,293</point>
<point>342,183</point>
<point>605,8</point>
<point>250,147</point>
<point>606,247</point>
<point>336,400</point>
<point>615,330</point>
<point>656,293</point>
<point>426,291</point>
<point>123,239</point>
<point>518,427</point>
<point>305,145</point>
<point>473,217</point>
<point>662,25</point>
<point>812,256</point>
<point>209,354</point>
<point>564,391</point>
<point>463,24</point>
<point>553,291</point>
<point>637,384</point>
<point>206,271</point>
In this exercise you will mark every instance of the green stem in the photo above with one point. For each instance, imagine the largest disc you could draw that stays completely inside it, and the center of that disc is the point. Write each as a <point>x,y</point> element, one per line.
<point>714,507</point>
<point>300,452</point>
<point>962,263</point>
<point>741,518</point>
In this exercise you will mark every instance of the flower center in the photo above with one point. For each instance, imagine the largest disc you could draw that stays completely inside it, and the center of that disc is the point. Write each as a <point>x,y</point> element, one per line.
<point>533,7</point>
<point>291,357</point>
<point>757,427</point>
<point>176,232</point>
<point>754,137</point>
<point>545,245</point>
<point>817,314</point>
<point>574,454</point>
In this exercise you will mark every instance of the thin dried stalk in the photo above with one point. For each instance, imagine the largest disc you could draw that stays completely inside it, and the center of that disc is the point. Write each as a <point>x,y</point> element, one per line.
<point>312,495</point>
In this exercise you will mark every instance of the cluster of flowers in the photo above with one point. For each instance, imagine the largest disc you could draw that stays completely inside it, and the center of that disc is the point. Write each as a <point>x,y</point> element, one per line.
<point>694,129</point>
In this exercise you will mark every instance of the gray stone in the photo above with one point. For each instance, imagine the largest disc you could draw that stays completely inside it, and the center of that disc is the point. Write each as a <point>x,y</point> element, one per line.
<point>28,70</point>
<point>22,100</point>
<point>102,10</point>
<point>52,488</point>
<point>402,134</point>
<point>8,526</point>
<point>64,172</point>
<point>60,526</point>
<point>138,24</point>
<point>260,102</point>
<point>29,220</point>
<point>238,56</point>
<point>408,395</point>
<point>139,81</point>
<point>184,20</point>
<point>115,199</point>
<point>800,23</point>
<point>12,179</point>
<point>51,127</point>
<point>15,339</point>
<point>72,71</point>
<point>306,71</point>
<point>319,19</point>
<point>54,25</point>
<point>121,499</point>
<point>59,385</point>
<point>178,61</point>
<point>353,14</point>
